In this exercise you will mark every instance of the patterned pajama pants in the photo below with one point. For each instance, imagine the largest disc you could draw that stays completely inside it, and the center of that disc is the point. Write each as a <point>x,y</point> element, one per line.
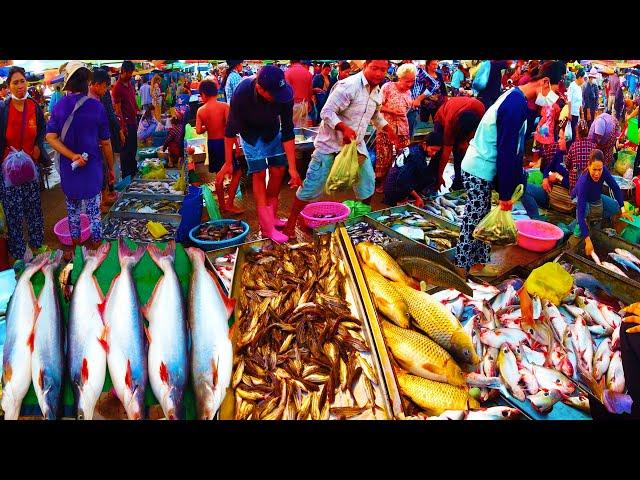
<point>22,203</point>
<point>470,251</point>
<point>92,209</point>
<point>384,153</point>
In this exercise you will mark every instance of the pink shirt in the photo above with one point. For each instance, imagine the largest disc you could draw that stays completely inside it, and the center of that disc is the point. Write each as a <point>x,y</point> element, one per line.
<point>300,80</point>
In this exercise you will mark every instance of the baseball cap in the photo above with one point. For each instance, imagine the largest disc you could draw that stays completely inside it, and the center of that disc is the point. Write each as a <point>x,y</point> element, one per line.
<point>70,68</point>
<point>271,78</point>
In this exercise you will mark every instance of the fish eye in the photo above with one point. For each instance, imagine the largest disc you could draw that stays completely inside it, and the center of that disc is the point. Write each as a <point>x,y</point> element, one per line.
<point>546,394</point>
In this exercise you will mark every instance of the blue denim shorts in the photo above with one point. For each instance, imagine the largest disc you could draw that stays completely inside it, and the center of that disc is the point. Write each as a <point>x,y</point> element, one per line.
<point>263,155</point>
<point>318,171</point>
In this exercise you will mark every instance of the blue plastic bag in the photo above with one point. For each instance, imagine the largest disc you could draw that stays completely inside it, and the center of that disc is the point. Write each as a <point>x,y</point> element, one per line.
<point>482,76</point>
<point>191,212</point>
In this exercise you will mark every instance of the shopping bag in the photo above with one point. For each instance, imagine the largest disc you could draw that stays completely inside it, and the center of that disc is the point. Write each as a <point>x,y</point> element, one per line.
<point>191,212</point>
<point>498,227</point>
<point>18,168</point>
<point>344,171</point>
<point>549,282</point>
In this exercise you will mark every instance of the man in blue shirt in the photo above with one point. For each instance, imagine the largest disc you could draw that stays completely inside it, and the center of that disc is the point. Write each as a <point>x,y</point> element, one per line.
<point>262,114</point>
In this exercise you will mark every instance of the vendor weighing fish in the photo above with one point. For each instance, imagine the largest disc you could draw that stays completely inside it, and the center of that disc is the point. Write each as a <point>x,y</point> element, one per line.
<point>167,335</point>
<point>22,312</point>
<point>47,367</point>
<point>126,349</point>
<point>86,343</point>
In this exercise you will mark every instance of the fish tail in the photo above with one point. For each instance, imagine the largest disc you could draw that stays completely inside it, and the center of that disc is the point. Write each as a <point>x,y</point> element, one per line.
<point>195,255</point>
<point>125,252</point>
<point>53,262</point>
<point>157,254</point>
<point>99,254</point>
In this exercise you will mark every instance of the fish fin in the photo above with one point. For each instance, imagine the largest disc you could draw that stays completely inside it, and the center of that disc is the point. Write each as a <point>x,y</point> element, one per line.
<point>125,252</point>
<point>128,377</point>
<point>164,373</point>
<point>104,299</point>
<point>145,309</point>
<point>32,335</point>
<point>232,330</point>
<point>214,372</point>
<point>84,372</point>
<point>156,254</point>
<point>195,255</point>
<point>104,339</point>
<point>101,307</point>
<point>147,333</point>
<point>229,303</point>
<point>100,253</point>
<point>7,373</point>
<point>41,379</point>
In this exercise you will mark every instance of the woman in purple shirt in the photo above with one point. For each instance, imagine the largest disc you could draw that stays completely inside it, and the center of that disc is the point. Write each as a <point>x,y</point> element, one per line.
<point>87,133</point>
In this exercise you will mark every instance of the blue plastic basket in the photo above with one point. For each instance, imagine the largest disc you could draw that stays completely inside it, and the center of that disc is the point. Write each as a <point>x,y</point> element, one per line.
<point>208,245</point>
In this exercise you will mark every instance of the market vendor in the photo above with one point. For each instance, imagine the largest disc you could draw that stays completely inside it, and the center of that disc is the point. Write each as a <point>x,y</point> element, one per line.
<point>495,158</point>
<point>262,113</point>
<point>591,202</point>
<point>147,126</point>
<point>352,105</point>
<point>604,132</point>
<point>455,125</point>
<point>410,173</point>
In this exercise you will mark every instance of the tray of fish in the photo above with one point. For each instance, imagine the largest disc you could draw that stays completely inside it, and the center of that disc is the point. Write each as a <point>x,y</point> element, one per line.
<point>148,208</point>
<point>449,206</point>
<point>366,229</point>
<point>114,227</point>
<point>615,255</point>
<point>171,174</point>
<point>429,351</point>
<point>436,233</point>
<point>223,262</point>
<point>157,188</point>
<point>302,343</point>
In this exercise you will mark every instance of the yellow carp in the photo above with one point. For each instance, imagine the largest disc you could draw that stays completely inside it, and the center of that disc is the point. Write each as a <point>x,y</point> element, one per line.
<point>386,298</point>
<point>435,397</point>
<point>421,356</point>
<point>377,259</point>
<point>440,324</point>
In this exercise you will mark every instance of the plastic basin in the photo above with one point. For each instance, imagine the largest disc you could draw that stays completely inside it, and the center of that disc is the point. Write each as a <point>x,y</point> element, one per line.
<point>61,229</point>
<point>208,245</point>
<point>538,236</point>
<point>338,211</point>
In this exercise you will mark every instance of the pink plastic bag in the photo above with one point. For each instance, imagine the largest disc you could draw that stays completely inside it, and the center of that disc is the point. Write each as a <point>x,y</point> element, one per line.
<point>18,168</point>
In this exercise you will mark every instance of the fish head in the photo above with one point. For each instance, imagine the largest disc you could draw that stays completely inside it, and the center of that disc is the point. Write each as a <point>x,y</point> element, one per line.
<point>171,402</point>
<point>544,400</point>
<point>87,399</point>
<point>51,394</point>
<point>134,402</point>
<point>10,404</point>
<point>463,348</point>
<point>205,400</point>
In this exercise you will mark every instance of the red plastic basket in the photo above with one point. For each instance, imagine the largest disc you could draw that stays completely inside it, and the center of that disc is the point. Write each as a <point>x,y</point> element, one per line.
<point>338,211</point>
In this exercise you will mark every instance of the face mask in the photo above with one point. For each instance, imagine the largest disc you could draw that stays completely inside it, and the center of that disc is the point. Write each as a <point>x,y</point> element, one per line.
<point>550,99</point>
<point>26,95</point>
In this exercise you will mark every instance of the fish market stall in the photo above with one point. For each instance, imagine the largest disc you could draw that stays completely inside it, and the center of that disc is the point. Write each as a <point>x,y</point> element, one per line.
<point>303,346</point>
<point>449,206</point>
<point>436,233</point>
<point>136,227</point>
<point>163,209</point>
<point>154,188</point>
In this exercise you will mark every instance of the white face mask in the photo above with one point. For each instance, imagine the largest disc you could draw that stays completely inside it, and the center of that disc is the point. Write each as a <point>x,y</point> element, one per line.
<point>26,95</point>
<point>550,99</point>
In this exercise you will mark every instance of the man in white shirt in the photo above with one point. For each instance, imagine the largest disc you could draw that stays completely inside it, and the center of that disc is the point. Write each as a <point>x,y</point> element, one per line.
<point>351,105</point>
<point>145,94</point>
<point>574,99</point>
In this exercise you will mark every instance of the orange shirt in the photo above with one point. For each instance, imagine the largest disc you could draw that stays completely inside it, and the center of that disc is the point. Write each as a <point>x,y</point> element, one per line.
<point>213,117</point>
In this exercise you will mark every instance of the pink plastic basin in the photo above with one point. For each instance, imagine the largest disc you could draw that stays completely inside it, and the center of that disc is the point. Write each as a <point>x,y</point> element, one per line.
<point>61,229</point>
<point>537,236</point>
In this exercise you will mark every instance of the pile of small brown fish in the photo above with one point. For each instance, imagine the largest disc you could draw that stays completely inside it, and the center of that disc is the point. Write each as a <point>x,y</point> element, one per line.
<point>153,188</point>
<point>300,353</point>
<point>141,205</point>
<point>364,232</point>
<point>220,232</point>
<point>114,228</point>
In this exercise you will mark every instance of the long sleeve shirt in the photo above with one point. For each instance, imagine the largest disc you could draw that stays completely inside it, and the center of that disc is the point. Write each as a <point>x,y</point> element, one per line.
<point>233,80</point>
<point>410,172</point>
<point>355,103</point>
<point>556,165</point>
<point>253,117</point>
<point>588,191</point>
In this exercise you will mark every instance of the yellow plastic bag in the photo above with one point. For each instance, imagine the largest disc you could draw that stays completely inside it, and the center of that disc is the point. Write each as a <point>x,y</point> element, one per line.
<point>155,173</point>
<point>180,184</point>
<point>344,171</point>
<point>550,282</point>
<point>498,227</point>
<point>156,229</point>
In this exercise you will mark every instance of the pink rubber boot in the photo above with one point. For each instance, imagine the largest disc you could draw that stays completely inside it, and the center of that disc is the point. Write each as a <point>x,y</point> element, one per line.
<point>265,218</point>
<point>273,203</point>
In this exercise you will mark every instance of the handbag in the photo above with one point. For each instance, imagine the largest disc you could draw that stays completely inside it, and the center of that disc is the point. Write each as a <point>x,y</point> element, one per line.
<point>65,129</point>
<point>560,200</point>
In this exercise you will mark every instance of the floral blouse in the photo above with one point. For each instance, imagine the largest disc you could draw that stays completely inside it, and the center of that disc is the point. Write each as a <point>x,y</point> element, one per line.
<point>394,99</point>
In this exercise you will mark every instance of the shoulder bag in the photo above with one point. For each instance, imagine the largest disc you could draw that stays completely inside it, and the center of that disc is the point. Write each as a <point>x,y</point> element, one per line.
<point>65,128</point>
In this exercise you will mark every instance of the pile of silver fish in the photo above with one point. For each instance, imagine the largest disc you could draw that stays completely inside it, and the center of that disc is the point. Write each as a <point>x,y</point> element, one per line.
<point>364,232</point>
<point>447,207</point>
<point>133,228</point>
<point>109,332</point>
<point>300,352</point>
<point>153,188</point>
<point>141,205</point>
<point>541,350</point>
<point>622,257</point>
<point>224,267</point>
<point>416,227</point>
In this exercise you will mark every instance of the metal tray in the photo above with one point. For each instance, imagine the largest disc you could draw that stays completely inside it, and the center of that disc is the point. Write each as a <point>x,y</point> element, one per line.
<point>174,222</point>
<point>450,253</point>
<point>602,244</point>
<point>161,217</point>
<point>159,196</point>
<point>382,395</point>
<point>172,175</point>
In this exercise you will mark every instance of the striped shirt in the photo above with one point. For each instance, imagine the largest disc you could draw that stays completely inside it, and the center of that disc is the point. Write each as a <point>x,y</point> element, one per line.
<point>350,102</point>
<point>419,85</point>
